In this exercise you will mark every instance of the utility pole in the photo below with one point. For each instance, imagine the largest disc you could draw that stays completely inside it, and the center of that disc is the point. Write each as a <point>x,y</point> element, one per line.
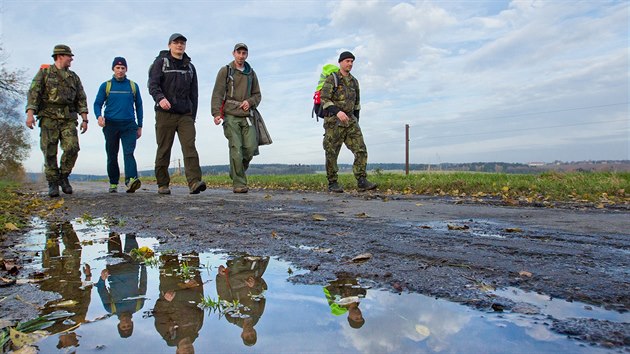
<point>407,149</point>
<point>179,167</point>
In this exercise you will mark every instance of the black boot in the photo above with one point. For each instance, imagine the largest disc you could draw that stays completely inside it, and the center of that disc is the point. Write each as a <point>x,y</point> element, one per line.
<point>65,184</point>
<point>53,189</point>
<point>334,187</point>
<point>364,185</point>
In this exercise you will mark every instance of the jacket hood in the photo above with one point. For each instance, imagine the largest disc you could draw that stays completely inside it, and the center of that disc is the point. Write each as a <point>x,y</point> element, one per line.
<point>167,54</point>
<point>246,71</point>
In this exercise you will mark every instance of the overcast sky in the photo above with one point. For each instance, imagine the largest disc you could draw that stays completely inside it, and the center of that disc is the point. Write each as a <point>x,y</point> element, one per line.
<point>513,81</point>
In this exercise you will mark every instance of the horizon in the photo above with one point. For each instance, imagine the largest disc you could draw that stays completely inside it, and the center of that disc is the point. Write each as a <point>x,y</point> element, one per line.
<point>514,81</point>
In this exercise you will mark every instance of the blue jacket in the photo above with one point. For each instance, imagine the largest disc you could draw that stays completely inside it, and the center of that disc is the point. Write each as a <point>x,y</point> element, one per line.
<point>119,105</point>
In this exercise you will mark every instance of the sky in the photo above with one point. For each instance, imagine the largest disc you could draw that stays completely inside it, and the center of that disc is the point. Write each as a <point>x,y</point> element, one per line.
<point>484,80</point>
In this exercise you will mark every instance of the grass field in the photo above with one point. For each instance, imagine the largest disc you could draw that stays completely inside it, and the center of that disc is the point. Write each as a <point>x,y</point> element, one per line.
<point>591,187</point>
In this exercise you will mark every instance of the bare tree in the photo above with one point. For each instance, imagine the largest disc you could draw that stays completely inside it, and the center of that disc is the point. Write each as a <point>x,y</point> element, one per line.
<point>14,142</point>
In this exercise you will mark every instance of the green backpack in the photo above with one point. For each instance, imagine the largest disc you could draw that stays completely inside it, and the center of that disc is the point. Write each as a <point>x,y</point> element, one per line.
<point>327,70</point>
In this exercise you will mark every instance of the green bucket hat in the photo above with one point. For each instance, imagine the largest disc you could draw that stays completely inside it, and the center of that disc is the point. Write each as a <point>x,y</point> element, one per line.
<point>62,49</point>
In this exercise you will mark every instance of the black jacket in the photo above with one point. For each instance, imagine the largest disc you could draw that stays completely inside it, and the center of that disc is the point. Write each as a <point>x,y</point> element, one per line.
<point>177,81</point>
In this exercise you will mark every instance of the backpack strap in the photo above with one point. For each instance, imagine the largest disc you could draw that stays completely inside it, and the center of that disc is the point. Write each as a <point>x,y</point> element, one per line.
<point>108,88</point>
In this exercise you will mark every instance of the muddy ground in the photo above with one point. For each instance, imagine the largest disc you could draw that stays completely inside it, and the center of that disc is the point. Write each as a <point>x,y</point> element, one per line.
<point>455,250</point>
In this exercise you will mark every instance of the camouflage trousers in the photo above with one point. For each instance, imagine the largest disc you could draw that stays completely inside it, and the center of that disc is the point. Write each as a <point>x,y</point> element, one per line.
<point>335,136</point>
<point>54,132</point>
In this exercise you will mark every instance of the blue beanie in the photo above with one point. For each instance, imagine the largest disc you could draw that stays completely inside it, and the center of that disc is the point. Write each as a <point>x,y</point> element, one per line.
<point>119,61</point>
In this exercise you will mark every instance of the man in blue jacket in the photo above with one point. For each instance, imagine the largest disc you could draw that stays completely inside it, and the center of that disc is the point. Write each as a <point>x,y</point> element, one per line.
<point>120,95</point>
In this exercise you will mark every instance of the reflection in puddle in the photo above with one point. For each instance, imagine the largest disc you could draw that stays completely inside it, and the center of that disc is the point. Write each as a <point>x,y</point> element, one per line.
<point>206,302</point>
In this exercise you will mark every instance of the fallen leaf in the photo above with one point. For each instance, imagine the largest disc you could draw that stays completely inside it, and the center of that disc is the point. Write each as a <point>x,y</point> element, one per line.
<point>21,339</point>
<point>317,217</point>
<point>458,227</point>
<point>425,227</point>
<point>362,257</point>
<point>525,273</point>
<point>418,204</point>
<point>11,226</point>
<point>323,250</point>
<point>58,204</point>
<point>29,349</point>
<point>513,229</point>
<point>362,215</point>
<point>67,303</point>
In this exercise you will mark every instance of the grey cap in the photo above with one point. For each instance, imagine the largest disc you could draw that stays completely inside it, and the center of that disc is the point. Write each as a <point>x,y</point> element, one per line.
<point>62,49</point>
<point>239,46</point>
<point>175,36</point>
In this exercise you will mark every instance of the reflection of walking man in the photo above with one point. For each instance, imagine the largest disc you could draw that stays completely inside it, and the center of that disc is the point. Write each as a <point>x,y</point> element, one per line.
<point>242,281</point>
<point>127,284</point>
<point>56,96</point>
<point>178,317</point>
<point>64,271</point>
<point>343,296</point>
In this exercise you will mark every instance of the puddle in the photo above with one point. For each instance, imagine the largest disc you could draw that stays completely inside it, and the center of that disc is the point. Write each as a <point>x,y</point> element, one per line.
<point>129,307</point>
<point>562,309</point>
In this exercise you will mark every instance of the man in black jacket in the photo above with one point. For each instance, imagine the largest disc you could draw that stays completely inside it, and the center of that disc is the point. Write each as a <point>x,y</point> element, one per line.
<point>173,85</point>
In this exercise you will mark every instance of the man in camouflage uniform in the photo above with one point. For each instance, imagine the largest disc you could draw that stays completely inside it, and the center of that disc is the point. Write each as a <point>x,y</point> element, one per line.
<point>341,103</point>
<point>56,96</point>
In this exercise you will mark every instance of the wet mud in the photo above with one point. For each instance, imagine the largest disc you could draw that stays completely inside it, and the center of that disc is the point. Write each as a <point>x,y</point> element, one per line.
<point>461,252</point>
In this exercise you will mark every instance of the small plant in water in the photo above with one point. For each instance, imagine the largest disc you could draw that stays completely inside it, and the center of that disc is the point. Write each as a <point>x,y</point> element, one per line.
<point>185,271</point>
<point>89,219</point>
<point>222,307</point>
<point>145,255</point>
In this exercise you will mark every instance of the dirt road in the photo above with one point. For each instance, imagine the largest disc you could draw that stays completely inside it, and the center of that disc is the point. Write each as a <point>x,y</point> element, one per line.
<point>454,251</point>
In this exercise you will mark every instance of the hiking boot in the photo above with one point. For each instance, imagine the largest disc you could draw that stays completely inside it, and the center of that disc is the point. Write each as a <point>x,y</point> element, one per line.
<point>334,187</point>
<point>240,189</point>
<point>65,184</point>
<point>364,185</point>
<point>198,187</point>
<point>164,190</point>
<point>113,188</point>
<point>133,185</point>
<point>53,189</point>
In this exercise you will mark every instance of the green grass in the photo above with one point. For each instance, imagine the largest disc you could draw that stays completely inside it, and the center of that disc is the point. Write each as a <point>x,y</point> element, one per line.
<point>590,187</point>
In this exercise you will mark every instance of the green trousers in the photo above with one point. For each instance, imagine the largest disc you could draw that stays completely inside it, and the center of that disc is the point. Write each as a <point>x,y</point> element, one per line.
<point>242,142</point>
<point>166,125</point>
<point>335,136</point>
<point>54,132</point>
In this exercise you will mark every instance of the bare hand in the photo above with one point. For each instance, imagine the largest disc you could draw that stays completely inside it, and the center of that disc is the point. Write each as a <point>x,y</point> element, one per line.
<point>165,104</point>
<point>169,296</point>
<point>139,133</point>
<point>87,270</point>
<point>244,106</point>
<point>217,120</point>
<point>104,274</point>
<point>84,126</point>
<point>101,121</point>
<point>30,120</point>
<point>343,117</point>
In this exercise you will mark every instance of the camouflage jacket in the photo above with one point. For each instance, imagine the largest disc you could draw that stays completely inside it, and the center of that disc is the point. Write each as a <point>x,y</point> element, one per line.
<point>345,97</point>
<point>57,94</point>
